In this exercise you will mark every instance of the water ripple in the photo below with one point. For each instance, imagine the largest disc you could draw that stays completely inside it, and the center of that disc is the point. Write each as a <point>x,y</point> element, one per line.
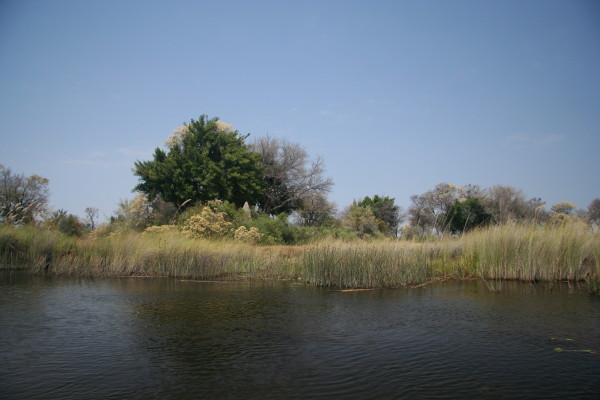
<point>74,339</point>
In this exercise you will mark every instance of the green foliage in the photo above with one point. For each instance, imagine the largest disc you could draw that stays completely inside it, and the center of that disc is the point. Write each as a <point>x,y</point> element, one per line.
<point>467,214</point>
<point>385,211</point>
<point>275,230</point>
<point>207,161</point>
<point>361,220</point>
<point>65,223</point>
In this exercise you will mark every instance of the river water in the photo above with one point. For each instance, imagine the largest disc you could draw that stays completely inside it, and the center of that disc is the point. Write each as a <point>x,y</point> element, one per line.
<point>67,338</point>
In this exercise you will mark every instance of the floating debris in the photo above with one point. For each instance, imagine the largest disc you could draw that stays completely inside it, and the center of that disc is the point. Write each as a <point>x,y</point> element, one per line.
<point>559,350</point>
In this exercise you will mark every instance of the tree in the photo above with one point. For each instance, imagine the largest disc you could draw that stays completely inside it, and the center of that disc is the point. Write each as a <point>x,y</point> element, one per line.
<point>430,210</point>
<point>135,214</point>
<point>22,199</point>
<point>206,160</point>
<point>385,211</point>
<point>466,214</point>
<point>289,177</point>
<point>64,222</point>
<point>315,210</point>
<point>91,214</point>
<point>506,203</point>
<point>563,207</point>
<point>361,220</point>
<point>594,211</point>
<point>536,210</point>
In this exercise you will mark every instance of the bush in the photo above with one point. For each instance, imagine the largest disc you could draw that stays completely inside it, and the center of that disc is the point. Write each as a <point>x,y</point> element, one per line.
<point>244,235</point>
<point>208,224</point>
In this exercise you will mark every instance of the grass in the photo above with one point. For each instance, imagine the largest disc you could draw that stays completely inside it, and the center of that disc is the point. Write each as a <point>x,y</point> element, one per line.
<point>524,252</point>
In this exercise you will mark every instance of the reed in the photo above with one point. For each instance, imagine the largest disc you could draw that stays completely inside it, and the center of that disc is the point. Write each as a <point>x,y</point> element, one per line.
<point>532,253</point>
<point>510,252</point>
<point>366,265</point>
<point>134,254</point>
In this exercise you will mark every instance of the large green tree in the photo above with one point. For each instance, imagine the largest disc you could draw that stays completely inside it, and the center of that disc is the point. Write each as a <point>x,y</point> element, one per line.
<point>386,211</point>
<point>466,214</point>
<point>206,160</point>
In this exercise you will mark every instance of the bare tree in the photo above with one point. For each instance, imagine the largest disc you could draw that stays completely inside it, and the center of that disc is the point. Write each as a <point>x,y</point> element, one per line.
<point>315,210</point>
<point>505,203</point>
<point>430,210</point>
<point>419,214</point>
<point>135,213</point>
<point>22,199</point>
<point>594,211</point>
<point>91,214</point>
<point>563,207</point>
<point>290,176</point>
<point>536,210</point>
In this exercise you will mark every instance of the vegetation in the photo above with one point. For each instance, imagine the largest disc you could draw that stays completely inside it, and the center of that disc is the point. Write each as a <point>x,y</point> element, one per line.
<point>22,199</point>
<point>561,252</point>
<point>290,180</point>
<point>213,206</point>
<point>206,160</point>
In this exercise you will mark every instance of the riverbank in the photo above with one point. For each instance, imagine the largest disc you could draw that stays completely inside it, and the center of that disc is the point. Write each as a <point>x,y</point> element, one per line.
<point>568,252</point>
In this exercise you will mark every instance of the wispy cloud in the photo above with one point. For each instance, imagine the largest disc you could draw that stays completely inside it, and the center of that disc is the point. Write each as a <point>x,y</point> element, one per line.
<point>523,141</point>
<point>116,158</point>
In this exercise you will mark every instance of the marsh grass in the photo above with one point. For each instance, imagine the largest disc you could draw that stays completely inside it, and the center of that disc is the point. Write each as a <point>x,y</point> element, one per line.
<point>366,265</point>
<point>568,252</point>
<point>134,254</point>
<point>531,253</point>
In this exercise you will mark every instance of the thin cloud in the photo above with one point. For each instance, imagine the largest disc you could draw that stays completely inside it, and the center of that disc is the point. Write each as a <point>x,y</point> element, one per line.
<point>119,157</point>
<point>529,141</point>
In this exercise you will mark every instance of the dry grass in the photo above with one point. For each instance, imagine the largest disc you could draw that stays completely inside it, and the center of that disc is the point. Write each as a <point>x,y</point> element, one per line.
<point>513,251</point>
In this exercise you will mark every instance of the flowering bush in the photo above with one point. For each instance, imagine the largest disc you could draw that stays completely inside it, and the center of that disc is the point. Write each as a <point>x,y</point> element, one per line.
<point>207,224</point>
<point>251,236</point>
<point>160,229</point>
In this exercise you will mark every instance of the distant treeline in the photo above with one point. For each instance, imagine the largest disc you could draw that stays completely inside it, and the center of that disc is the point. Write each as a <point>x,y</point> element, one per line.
<point>208,181</point>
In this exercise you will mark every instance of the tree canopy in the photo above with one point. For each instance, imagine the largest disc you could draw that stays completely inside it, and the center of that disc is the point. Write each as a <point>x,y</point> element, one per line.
<point>290,180</point>
<point>385,211</point>
<point>206,160</point>
<point>22,199</point>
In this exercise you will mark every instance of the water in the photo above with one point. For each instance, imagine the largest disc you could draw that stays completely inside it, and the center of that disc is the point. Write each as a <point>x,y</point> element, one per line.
<point>161,338</point>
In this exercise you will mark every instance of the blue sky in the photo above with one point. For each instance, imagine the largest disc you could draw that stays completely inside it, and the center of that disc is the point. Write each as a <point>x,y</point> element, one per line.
<point>397,96</point>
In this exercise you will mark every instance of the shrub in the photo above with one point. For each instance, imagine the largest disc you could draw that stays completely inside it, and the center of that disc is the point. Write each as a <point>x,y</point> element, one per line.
<point>207,224</point>
<point>251,236</point>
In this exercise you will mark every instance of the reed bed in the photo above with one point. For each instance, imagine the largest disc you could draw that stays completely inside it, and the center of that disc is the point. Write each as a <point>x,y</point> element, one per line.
<point>368,265</point>
<point>569,252</point>
<point>134,254</point>
<point>512,252</point>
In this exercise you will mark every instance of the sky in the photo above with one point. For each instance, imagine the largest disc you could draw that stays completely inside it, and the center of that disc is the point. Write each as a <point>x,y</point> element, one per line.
<point>396,96</point>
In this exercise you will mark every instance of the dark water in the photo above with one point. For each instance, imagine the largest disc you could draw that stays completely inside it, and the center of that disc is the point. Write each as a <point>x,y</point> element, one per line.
<point>160,338</point>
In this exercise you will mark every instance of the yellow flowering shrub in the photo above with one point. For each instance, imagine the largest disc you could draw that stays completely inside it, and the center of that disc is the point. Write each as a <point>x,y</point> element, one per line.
<point>160,229</point>
<point>207,224</point>
<point>251,236</point>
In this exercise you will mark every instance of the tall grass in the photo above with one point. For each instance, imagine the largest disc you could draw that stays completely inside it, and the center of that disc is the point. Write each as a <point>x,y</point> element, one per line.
<point>513,251</point>
<point>532,253</point>
<point>134,254</point>
<point>376,264</point>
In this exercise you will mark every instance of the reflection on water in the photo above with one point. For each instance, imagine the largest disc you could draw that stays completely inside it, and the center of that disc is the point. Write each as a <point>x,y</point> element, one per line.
<point>161,338</point>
